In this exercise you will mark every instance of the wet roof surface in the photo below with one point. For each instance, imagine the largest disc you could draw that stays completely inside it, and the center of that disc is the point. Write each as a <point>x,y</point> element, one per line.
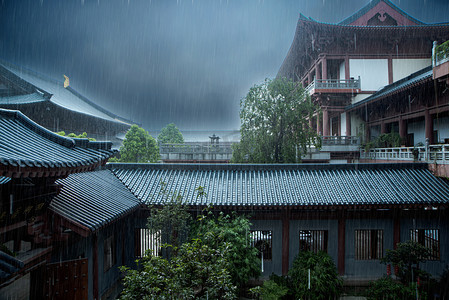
<point>23,143</point>
<point>93,199</point>
<point>288,185</point>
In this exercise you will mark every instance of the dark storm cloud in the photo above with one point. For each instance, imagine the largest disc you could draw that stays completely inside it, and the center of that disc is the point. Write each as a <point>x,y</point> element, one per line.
<point>156,62</point>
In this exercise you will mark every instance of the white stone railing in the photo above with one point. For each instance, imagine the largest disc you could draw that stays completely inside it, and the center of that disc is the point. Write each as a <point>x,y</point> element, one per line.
<point>197,148</point>
<point>337,84</point>
<point>339,140</point>
<point>432,153</point>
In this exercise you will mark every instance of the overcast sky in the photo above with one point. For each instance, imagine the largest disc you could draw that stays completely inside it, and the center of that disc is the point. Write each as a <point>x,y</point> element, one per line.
<point>161,61</point>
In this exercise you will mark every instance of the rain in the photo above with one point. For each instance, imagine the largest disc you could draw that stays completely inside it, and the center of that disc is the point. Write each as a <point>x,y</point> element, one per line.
<point>156,62</point>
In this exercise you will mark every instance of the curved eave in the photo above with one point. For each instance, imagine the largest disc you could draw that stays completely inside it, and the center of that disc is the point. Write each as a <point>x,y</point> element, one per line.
<point>33,172</point>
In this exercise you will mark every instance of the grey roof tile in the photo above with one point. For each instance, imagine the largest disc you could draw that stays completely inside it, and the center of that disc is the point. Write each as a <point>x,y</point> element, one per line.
<point>93,199</point>
<point>281,185</point>
<point>24,143</point>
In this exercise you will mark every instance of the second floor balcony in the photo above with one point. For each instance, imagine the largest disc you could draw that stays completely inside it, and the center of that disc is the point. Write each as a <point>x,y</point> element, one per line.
<point>334,86</point>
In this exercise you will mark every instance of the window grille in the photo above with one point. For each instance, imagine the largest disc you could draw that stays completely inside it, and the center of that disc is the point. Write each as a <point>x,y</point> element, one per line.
<point>368,244</point>
<point>313,240</point>
<point>108,253</point>
<point>262,240</point>
<point>147,240</point>
<point>430,239</point>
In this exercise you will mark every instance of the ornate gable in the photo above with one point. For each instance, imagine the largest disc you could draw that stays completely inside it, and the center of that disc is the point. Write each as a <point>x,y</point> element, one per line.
<point>381,13</point>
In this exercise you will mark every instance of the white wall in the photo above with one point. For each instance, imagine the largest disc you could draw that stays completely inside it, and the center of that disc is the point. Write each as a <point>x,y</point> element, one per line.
<point>404,67</point>
<point>418,130</point>
<point>343,124</point>
<point>442,125</point>
<point>342,70</point>
<point>373,72</point>
<point>359,97</point>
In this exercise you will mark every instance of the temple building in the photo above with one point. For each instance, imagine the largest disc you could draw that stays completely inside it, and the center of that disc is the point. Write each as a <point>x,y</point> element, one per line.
<point>372,73</point>
<point>57,107</point>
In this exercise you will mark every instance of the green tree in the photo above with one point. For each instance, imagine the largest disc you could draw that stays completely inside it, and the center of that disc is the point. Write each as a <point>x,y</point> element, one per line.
<point>170,134</point>
<point>139,146</point>
<point>274,127</point>
<point>233,231</point>
<point>324,280</point>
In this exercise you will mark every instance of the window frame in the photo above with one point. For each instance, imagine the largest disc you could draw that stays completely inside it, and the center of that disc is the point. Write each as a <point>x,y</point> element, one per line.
<point>318,241</point>
<point>368,244</point>
<point>267,252</point>
<point>419,236</point>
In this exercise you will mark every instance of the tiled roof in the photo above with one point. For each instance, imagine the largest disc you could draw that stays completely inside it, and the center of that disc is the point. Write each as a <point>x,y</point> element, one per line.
<point>286,185</point>
<point>22,99</point>
<point>93,199</point>
<point>64,97</point>
<point>8,265</point>
<point>29,150</point>
<point>395,87</point>
<point>4,180</point>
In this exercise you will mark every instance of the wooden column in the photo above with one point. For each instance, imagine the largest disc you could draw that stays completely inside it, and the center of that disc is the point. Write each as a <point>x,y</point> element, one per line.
<point>383,127</point>
<point>402,128</point>
<point>429,126</point>
<point>325,121</point>
<point>396,230</point>
<point>310,121</point>
<point>348,123</point>
<point>341,244</point>
<point>95,266</point>
<point>285,241</point>
<point>309,78</point>
<point>318,124</point>
<point>324,68</point>
<point>347,73</point>
<point>317,71</point>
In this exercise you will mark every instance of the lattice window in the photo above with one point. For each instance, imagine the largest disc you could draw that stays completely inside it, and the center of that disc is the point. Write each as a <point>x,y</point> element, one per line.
<point>109,254</point>
<point>313,240</point>
<point>430,239</point>
<point>368,244</point>
<point>147,240</point>
<point>262,240</point>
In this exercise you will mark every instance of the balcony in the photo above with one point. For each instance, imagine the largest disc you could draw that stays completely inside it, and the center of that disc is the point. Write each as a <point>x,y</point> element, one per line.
<point>431,154</point>
<point>333,86</point>
<point>440,60</point>
<point>221,152</point>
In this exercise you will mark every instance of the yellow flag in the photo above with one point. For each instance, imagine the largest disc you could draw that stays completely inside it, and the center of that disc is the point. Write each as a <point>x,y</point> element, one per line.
<point>66,81</point>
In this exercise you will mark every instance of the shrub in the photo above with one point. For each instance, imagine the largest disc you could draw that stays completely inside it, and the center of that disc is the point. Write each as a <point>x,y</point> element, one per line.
<point>324,280</point>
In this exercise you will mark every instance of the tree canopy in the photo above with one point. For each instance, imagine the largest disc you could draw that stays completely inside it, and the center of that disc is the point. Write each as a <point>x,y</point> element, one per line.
<point>170,134</point>
<point>139,146</point>
<point>274,126</point>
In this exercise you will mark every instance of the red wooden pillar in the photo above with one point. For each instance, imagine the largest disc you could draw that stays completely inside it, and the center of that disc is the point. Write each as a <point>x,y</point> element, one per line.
<point>396,231</point>
<point>348,123</point>
<point>390,70</point>
<point>402,128</point>
<point>383,127</point>
<point>347,73</point>
<point>324,68</point>
<point>429,126</point>
<point>319,131</point>
<point>285,241</point>
<point>95,266</point>
<point>317,72</point>
<point>309,78</point>
<point>310,121</point>
<point>341,245</point>
<point>325,121</point>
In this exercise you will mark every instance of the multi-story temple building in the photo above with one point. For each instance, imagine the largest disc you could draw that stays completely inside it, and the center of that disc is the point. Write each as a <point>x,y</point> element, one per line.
<point>372,74</point>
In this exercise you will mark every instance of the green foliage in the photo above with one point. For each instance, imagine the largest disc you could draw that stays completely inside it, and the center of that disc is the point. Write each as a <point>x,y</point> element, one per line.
<point>139,146</point>
<point>233,231</point>
<point>406,257</point>
<point>197,272</point>
<point>170,223</point>
<point>73,135</point>
<point>273,123</point>
<point>442,50</point>
<point>388,289</point>
<point>170,134</point>
<point>385,140</point>
<point>269,291</point>
<point>324,280</point>
<point>213,263</point>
